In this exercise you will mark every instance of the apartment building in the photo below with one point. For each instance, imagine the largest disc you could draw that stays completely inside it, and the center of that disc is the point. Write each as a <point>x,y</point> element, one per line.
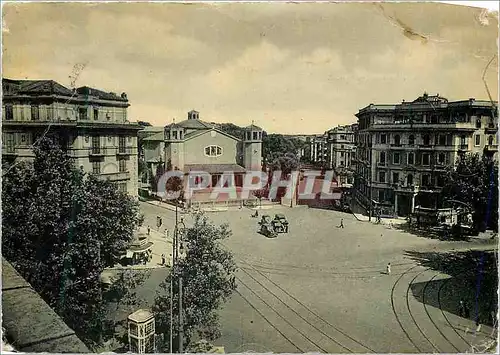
<point>317,150</point>
<point>90,124</point>
<point>341,150</point>
<point>403,149</point>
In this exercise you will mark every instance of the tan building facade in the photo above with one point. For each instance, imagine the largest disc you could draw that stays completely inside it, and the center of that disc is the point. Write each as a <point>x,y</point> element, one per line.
<point>403,149</point>
<point>90,124</point>
<point>195,145</point>
<point>341,151</point>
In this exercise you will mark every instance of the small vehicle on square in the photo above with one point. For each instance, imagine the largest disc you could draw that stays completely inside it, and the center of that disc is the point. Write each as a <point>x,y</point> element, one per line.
<point>267,227</point>
<point>283,221</point>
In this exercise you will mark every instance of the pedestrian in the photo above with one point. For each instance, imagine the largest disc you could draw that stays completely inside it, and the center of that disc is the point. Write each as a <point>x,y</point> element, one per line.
<point>162,259</point>
<point>388,268</point>
<point>341,223</point>
<point>461,308</point>
<point>466,311</point>
<point>149,230</point>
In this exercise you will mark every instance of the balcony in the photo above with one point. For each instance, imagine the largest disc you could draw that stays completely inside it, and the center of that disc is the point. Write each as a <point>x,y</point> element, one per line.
<point>9,150</point>
<point>406,188</point>
<point>124,150</point>
<point>382,164</point>
<point>426,147</point>
<point>463,147</point>
<point>491,148</point>
<point>97,151</point>
<point>116,176</point>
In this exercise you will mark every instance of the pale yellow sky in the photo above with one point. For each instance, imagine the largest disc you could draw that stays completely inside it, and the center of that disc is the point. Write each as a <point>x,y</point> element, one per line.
<point>291,68</point>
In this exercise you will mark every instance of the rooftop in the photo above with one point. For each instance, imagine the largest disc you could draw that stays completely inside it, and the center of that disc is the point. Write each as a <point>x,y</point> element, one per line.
<point>50,87</point>
<point>140,316</point>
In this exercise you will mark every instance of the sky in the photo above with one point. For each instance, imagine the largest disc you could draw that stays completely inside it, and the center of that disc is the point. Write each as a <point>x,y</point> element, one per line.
<point>290,68</point>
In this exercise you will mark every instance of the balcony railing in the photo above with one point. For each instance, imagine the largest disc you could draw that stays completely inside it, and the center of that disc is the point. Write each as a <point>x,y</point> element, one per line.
<point>124,150</point>
<point>382,163</point>
<point>9,149</point>
<point>97,151</point>
<point>116,176</point>
<point>463,147</point>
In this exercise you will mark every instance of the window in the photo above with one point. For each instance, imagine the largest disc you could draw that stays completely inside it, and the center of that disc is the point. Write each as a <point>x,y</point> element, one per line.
<point>255,136</point>
<point>35,112</point>
<point>174,135</point>
<point>341,163</point>
<point>463,140</point>
<point>396,158</point>
<point>490,140</point>
<point>110,139</point>
<point>383,139</point>
<point>121,144</point>
<point>23,138</point>
<point>395,178</point>
<point>96,114</point>
<point>397,140</point>
<point>442,139</point>
<point>411,158</point>
<point>9,113</point>
<point>427,140</point>
<point>477,140</point>
<point>82,113</point>
<point>249,136</point>
<point>425,159</point>
<point>213,151</point>
<point>478,123</point>
<point>342,136</point>
<point>425,180</point>
<point>87,139</point>
<point>381,176</point>
<point>441,158</point>
<point>122,165</point>
<point>381,195</point>
<point>341,154</point>
<point>411,139</point>
<point>96,167</point>
<point>382,157</point>
<point>409,179</point>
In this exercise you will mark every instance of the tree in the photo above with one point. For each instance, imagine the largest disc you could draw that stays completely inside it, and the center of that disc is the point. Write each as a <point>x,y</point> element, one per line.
<point>260,194</point>
<point>474,181</point>
<point>143,123</point>
<point>277,145</point>
<point>207,272</point>
<point>121,297</point>
<point>61,228</point>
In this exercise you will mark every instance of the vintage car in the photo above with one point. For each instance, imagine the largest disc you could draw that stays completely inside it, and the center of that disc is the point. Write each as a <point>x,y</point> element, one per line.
<point>267,227</point>
<point>283,221</point>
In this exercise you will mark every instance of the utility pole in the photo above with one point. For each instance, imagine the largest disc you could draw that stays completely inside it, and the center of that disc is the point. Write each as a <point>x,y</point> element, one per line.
<point>370,187</point>
<point>181,320</point>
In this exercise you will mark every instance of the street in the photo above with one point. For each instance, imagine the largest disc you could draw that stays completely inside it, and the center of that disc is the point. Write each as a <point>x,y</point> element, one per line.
<point>320,288</point>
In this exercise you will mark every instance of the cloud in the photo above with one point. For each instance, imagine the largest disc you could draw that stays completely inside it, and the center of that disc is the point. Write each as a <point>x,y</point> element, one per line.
<point>290,67</point>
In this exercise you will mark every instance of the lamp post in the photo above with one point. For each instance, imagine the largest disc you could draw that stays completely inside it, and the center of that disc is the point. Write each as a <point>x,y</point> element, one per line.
<point>177,248</point>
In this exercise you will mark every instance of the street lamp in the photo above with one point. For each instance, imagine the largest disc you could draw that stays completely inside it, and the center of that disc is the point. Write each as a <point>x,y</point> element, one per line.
<point>177,246</point>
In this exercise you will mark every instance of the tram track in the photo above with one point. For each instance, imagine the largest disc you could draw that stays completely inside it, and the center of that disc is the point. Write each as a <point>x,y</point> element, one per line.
<point>340,333</point>
<point>301,349</point>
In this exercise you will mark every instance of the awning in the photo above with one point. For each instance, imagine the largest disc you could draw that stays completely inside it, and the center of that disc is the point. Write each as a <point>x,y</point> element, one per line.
<point>141,248</point>
<point>214,168</point>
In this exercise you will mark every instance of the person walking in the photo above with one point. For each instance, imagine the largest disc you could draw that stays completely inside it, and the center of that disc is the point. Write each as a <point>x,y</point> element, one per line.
<point>461,308</point>
<point>341,223</point>
<point>149,230</point>
<point>388,268</point>
<point>162,259</point>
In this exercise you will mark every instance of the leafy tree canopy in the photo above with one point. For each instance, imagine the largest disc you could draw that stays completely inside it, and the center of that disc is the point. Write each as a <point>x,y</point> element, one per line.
<point>474,181</point>
<point>207,272</point>
<point>61,228</point>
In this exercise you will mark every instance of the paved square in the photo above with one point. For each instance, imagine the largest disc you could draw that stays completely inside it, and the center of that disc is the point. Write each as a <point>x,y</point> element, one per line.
<point>324,288</point>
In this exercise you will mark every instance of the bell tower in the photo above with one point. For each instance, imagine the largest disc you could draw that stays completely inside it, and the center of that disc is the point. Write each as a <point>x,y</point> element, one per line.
<point>252,148</point>
<point>174,145</point>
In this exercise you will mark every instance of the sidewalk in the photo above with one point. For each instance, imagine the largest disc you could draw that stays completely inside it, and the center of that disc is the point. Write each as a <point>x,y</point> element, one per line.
<point>383,221</point>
